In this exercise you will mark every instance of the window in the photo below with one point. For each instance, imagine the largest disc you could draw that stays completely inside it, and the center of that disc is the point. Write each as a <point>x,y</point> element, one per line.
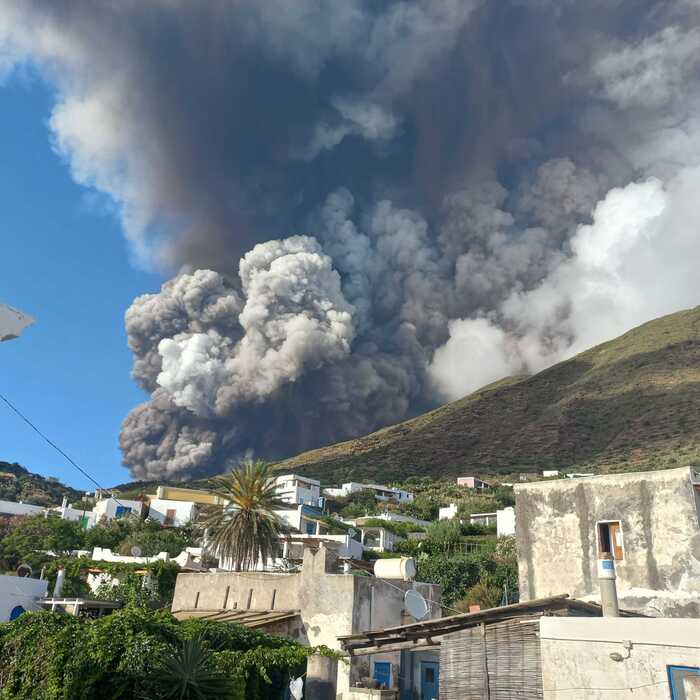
<point>310,527</point>
<point>122,510</point>
<point>684,681</point>
<point>169,517</point>
<point>610,540</point>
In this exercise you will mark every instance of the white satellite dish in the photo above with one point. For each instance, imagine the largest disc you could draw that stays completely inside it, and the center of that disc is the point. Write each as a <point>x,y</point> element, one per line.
<point>13,322</point>
<point>415,604</point>
<point>136,551</point>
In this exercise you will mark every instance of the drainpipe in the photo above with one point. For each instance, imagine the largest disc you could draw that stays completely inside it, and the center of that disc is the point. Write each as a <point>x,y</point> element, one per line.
<point>608,588</point>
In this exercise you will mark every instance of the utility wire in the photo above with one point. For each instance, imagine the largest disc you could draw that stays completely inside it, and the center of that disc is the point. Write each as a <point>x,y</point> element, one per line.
<point>13,408</point>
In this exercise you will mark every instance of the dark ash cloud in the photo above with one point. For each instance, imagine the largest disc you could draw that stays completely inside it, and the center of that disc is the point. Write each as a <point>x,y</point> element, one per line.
<point>370,207</point>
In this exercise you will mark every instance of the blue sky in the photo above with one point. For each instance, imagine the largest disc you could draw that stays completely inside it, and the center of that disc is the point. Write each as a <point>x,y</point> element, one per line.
<point>64,260</point>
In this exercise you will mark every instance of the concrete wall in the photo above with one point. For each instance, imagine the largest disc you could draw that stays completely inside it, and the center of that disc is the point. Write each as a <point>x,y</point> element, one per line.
<point>330,604</point>
<point>16,591</point>
<point>576,661</point>
<point>185,511</point>
<point>556,530</point>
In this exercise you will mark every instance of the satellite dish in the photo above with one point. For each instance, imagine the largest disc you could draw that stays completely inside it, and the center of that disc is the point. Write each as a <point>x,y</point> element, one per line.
<point>12,322</point>
<point>24,571</point>
<point>415,604</point>
<point>135,551</point>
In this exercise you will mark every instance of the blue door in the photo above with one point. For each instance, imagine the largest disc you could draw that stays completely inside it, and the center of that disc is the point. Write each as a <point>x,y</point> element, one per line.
<point>429,680</point>
<point>676,674</point>
<point>382,673</point>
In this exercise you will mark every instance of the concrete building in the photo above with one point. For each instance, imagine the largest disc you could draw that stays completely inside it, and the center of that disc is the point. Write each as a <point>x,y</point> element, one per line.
<point>601,658</point>
<point>172,513</point>
<point>196,496</point>
<point>381,493</point>
<point>315,606</point>
<point>17,595</point>
<point>19,508</point>
<point>647,522</point>
<point>505,522</point>
<point>110,508</point>
<point>292,488</point>
<point>549,649</point>
<point>378,539</point>
<point>471,482</point>
<point>448,512</point>
<point>503,519</point>
<point>549,473</point>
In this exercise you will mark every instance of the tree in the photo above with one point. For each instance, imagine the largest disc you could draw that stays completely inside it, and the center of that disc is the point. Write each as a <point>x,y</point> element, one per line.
<point>246,528</point>
<point>28,538</point>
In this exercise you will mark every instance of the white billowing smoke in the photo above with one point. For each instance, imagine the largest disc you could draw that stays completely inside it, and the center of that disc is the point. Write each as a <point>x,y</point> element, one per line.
<point>294,318</point>
<point>475,206</point>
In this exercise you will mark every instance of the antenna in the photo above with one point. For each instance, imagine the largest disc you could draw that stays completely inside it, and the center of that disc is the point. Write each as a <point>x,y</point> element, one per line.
<point>415,604</point>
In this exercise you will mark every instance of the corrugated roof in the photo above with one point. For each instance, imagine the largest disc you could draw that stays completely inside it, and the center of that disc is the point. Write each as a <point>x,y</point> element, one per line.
<point>248,618</point>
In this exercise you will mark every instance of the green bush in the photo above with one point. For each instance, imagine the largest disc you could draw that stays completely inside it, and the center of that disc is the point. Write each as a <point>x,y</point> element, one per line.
<point>123,655</point>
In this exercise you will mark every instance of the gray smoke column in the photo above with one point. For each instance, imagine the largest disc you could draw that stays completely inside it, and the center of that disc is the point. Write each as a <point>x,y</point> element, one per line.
<point>370,207</point>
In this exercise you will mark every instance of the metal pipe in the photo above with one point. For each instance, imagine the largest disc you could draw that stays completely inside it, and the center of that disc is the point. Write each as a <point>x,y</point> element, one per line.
<point>608,587</point>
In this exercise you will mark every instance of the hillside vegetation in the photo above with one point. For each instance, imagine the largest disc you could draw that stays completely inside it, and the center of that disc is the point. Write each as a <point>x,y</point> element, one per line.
<point>19,484</point>
<point>630,403</point>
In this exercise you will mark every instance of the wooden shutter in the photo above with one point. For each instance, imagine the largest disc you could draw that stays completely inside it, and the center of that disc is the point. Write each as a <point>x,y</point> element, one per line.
<point>616,541</point>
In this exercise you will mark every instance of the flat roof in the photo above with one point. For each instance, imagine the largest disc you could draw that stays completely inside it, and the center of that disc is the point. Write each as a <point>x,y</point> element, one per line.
<point>553,483</point>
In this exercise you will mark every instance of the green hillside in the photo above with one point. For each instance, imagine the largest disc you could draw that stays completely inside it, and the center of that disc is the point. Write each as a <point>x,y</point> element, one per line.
<point>18,484</point>
<point>630,403</point>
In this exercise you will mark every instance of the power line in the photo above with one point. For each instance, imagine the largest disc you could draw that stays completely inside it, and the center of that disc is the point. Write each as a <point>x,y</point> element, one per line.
<point>13,408</point>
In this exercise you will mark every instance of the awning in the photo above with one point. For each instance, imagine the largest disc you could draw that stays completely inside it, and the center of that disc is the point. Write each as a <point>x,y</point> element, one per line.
<point>248,618</point>
<point>420,635</point>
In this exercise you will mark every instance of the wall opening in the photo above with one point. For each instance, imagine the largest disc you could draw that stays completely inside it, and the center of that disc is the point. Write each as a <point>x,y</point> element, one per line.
<point>610,539</point>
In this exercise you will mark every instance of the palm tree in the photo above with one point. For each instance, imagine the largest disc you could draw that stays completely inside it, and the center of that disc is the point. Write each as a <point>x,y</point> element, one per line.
<point>246,529</point>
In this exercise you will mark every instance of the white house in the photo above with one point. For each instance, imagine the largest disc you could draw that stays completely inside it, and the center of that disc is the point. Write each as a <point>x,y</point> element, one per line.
<point>14,508</point>
<point>172,513</point>
<point>381,493</point>
<point>292,488</point>
<point>448,512</point>
<point>395,518</point>
<point>17,595</point>
<point>110,508</point>
<point>548,473</point>
<point>505,522</point>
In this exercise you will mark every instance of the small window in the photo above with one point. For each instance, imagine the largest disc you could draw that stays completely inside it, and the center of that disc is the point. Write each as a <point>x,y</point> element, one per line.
<point>610,540</point>
<point>169,517</point>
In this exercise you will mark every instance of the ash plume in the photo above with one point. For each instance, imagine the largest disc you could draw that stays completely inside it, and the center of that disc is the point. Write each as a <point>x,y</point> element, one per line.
<point>370,207</point>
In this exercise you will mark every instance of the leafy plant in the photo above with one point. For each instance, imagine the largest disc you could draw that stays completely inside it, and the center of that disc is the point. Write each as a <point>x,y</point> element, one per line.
<point>246,529</point>
<point>190,674</point>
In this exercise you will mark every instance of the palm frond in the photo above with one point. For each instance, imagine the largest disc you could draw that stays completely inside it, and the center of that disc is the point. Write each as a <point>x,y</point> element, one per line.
<point>247,529</point>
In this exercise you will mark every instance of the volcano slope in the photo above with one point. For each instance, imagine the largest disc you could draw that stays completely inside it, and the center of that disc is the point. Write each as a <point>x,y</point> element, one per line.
<point>628,404</point>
